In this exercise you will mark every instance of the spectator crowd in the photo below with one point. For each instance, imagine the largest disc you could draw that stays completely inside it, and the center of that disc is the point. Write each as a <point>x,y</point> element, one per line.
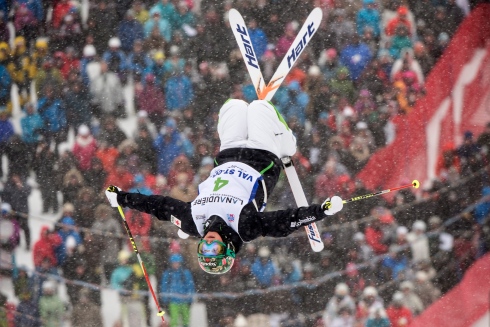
<point>81,68</point>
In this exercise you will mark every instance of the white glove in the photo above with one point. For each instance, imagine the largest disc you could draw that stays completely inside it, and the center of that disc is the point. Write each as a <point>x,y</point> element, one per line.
<point>111,194</point>
<point>332,206</point>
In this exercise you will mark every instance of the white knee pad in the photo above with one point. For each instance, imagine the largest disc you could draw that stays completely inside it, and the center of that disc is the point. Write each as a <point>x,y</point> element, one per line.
<point>267,130</point>
<point>232,124</point>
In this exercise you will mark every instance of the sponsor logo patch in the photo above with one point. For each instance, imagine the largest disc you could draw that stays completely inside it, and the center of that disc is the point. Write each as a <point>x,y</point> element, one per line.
<point>175,221</point>
<point>231,217</point>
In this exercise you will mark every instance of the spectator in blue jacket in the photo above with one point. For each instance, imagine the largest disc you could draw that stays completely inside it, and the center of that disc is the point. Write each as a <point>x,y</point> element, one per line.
<point>168,145</point>
<point>355,56</point>
<point>157,68</point>
<point>258,38</point>
<point>177,280</point>
<point>116,59</point>
<point>292,102</point>
<point>129,31</point>
<point>52,111</point>
<point>5,85</point>
<point>161,24</point>
<point>396,262</point>
<point>179,92</point>
<point>184,18</point>
<point>263,268</point>
<point>166,9</point>
<point>32,125</point>
<point>35,6</point>
<point>139,62</point>
<point>368,16</point>
<point>6,132</point>
<point>68,229</point>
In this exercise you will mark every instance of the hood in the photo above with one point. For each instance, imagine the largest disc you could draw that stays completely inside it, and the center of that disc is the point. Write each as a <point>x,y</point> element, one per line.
<point>68,221</point>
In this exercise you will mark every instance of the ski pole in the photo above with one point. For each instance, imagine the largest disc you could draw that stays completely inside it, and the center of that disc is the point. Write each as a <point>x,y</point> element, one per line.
<point>135,248</point>
<point>415,184</point>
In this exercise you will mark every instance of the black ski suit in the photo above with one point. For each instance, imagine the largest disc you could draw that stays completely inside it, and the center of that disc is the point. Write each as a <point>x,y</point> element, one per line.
<point>252,223</point>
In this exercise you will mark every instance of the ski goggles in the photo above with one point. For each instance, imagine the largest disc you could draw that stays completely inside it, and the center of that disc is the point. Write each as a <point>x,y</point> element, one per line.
<point>215,249</point>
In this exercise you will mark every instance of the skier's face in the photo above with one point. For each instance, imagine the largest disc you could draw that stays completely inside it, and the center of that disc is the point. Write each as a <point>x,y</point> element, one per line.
<point>212,236</point>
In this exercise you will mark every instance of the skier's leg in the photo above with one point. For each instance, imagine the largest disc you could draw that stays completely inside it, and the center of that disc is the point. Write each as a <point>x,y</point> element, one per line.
<point>267,130</point>
<point>232,124</point>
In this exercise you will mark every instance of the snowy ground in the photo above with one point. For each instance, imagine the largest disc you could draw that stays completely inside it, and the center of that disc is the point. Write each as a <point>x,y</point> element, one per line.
<point>110,302</point>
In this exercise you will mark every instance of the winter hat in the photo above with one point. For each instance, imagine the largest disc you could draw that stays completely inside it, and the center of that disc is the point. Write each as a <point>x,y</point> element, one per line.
<point>176,258</point>
<point>123,256</point>
<point>49,285</point>
<point>348,111</point>
<point>331,53</point>
<point>406,285</point>
<point>207,161</point>
<point>314,71</point>
<point>159,55</point>
<point>341,289</point>
<point>83,130</point>
<point>421,276</point>
<point>6,208</point>
<point>359,236</point>
<point>68,221</point>
<point>68,207</point>
<point>370,291</point>
<point>114,42</point>
<point>419,225</point>
<point>401,230</point>
<point>398,297</point>
<point>361,125</point>
<point>89,51</point>
<point>402,10</point>
<point>264,252</point>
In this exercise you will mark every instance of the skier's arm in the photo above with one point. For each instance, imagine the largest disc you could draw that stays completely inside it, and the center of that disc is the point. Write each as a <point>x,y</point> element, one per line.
<point>162,207</point>
<point>282,222</point>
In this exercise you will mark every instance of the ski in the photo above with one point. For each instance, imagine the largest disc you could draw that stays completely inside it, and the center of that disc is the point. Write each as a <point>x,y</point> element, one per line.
<point>304,36</point>
<point>266,92</point>
<point>248,53</point>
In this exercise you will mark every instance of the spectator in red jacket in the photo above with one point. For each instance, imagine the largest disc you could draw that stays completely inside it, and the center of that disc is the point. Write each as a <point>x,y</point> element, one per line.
<point>399,315</point>
<point>400,19</point>
<point>140,225</point>
<point>120,175</point>
<point>85,148</point>
<point>44,249</point>
<point>150,98</point>
<point>374,237</point>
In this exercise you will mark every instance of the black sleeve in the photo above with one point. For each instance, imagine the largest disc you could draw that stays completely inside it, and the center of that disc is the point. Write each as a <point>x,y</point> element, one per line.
<point>163,208</point>
<point>279,223</point>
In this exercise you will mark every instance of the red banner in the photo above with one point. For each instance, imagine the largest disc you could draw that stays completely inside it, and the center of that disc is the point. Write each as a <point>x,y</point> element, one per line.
<point>465,304</point>
<point>457,100</point>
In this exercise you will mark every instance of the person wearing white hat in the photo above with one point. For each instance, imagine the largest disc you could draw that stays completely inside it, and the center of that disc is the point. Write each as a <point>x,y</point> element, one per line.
<point>51,307</point>
<point>370,302</point>
<point>116,59</point>
<point>341,299</point>
<point>410,299</point>
<point>84,148</point>
<point>419,242</point>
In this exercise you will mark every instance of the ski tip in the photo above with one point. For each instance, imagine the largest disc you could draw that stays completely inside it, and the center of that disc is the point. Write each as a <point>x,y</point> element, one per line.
<point>317,12</point>
<point>319,247</point>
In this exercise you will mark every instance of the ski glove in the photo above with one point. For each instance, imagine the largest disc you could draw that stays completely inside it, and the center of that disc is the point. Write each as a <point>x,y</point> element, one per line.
<point>332,206</point>
<point>111,193</point>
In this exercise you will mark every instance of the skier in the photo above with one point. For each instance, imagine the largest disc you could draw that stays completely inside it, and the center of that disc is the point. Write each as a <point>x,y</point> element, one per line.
<point>229,209</point>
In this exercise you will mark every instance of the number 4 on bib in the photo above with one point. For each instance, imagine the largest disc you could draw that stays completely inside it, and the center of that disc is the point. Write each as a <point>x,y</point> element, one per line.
<point>219,183</point>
